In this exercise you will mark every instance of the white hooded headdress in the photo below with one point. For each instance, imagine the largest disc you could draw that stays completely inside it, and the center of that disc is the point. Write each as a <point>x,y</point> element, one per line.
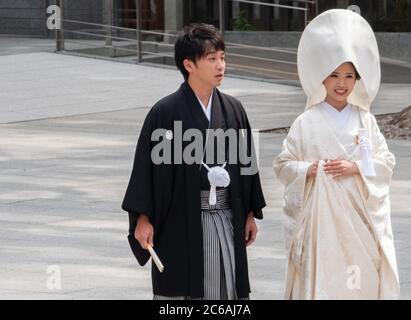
<point>332,38</point>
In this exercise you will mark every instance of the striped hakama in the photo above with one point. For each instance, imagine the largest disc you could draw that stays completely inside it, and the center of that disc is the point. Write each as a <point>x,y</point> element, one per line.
<point>218,244</point>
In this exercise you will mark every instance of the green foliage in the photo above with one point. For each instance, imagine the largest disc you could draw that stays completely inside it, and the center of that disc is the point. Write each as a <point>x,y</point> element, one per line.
<point>241,23</point>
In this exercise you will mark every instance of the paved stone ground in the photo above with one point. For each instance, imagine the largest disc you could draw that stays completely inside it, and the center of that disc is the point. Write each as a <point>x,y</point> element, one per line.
<point>67,137</point>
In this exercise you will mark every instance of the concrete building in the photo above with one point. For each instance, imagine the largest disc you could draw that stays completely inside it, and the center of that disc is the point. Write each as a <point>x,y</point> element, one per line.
<point>266,23</point>
<point>28,17</point>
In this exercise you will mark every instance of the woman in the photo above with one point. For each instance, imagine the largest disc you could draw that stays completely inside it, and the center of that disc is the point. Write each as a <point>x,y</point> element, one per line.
<point>336,169</point>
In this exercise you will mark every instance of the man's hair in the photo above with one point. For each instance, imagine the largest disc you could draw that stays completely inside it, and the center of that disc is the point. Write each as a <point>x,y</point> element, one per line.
<point>196,41</point>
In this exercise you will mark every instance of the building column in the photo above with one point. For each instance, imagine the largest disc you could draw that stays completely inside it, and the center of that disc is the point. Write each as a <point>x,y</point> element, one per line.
<point>108,20</point>
<point>173,15</point>
<point>276,10</point>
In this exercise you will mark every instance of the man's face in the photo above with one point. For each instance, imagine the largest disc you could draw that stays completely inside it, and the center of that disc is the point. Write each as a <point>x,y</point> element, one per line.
<point>208,70</point>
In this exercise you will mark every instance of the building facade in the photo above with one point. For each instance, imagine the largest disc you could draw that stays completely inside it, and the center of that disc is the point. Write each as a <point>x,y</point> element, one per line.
<point>28,17</point>
<point>285,15</point>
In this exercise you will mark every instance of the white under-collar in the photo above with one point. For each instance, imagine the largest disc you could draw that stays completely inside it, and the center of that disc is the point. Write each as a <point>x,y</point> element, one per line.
<point>207,111</point>
<point>339,118</point>
<point>345,110</point>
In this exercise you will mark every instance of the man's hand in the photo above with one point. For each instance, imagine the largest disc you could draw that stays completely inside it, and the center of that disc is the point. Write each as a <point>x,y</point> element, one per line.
<point>144,231</point>
<point>341,168</point>
<point>312,170</point>
<point>250,229</point>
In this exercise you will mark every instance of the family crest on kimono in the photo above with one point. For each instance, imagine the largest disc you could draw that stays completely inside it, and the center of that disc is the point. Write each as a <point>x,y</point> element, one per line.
<point>336,169</point>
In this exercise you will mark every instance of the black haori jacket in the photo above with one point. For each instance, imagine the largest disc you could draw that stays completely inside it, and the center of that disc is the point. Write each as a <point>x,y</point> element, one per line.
<point>169,194</point>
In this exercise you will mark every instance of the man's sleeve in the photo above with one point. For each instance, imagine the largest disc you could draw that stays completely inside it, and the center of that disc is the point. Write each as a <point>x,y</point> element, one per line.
<point>257,201</point>
<point>138,196</point>
<point>257,196</point>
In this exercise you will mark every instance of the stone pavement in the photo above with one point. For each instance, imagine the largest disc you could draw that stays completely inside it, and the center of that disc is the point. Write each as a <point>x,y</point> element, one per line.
<point>68,129</point>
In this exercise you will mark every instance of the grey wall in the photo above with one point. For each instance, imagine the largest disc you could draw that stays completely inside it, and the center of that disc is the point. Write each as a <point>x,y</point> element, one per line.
<point>88,11</point>
<point>20,17</point>
<point>283,39</point>
<point>393,45</point>
<point>29,17</point>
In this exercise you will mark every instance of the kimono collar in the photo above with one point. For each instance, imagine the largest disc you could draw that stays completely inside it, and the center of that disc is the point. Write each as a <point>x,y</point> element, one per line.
<point>217,118</point>
<point>194,107</point>
<point>338,118</point>
<point>207,110</point>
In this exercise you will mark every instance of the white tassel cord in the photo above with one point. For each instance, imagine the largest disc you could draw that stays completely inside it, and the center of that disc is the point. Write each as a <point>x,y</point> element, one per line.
<point>218,177</point>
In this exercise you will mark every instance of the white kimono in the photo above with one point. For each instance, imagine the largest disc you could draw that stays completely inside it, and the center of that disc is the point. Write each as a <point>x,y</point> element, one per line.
<point>337,230</point>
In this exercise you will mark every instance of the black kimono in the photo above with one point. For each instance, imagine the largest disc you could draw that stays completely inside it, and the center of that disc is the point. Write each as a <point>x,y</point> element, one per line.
<point>169,194</point>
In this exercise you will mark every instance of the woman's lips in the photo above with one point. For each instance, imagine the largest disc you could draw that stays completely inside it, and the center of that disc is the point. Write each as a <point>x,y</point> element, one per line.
<point>340,92</point>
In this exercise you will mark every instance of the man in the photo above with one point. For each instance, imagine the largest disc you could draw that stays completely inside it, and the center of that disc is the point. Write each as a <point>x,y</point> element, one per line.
<point>199,229</point>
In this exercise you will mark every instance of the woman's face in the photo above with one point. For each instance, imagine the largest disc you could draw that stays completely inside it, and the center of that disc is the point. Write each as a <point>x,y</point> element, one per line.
<point>339,84</point>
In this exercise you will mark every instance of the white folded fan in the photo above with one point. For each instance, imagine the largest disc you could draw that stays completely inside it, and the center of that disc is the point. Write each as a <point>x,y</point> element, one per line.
<point>155,258</point>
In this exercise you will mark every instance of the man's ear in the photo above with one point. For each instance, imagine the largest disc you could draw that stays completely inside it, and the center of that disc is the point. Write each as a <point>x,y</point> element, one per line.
<point>188,65</point>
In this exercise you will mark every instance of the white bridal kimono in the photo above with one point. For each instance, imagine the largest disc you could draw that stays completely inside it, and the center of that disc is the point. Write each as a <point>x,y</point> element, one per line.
<point>337,230</point>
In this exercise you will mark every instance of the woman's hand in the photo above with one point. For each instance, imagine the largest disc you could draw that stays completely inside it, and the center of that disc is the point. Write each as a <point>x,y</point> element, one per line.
<point>341,168</point>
